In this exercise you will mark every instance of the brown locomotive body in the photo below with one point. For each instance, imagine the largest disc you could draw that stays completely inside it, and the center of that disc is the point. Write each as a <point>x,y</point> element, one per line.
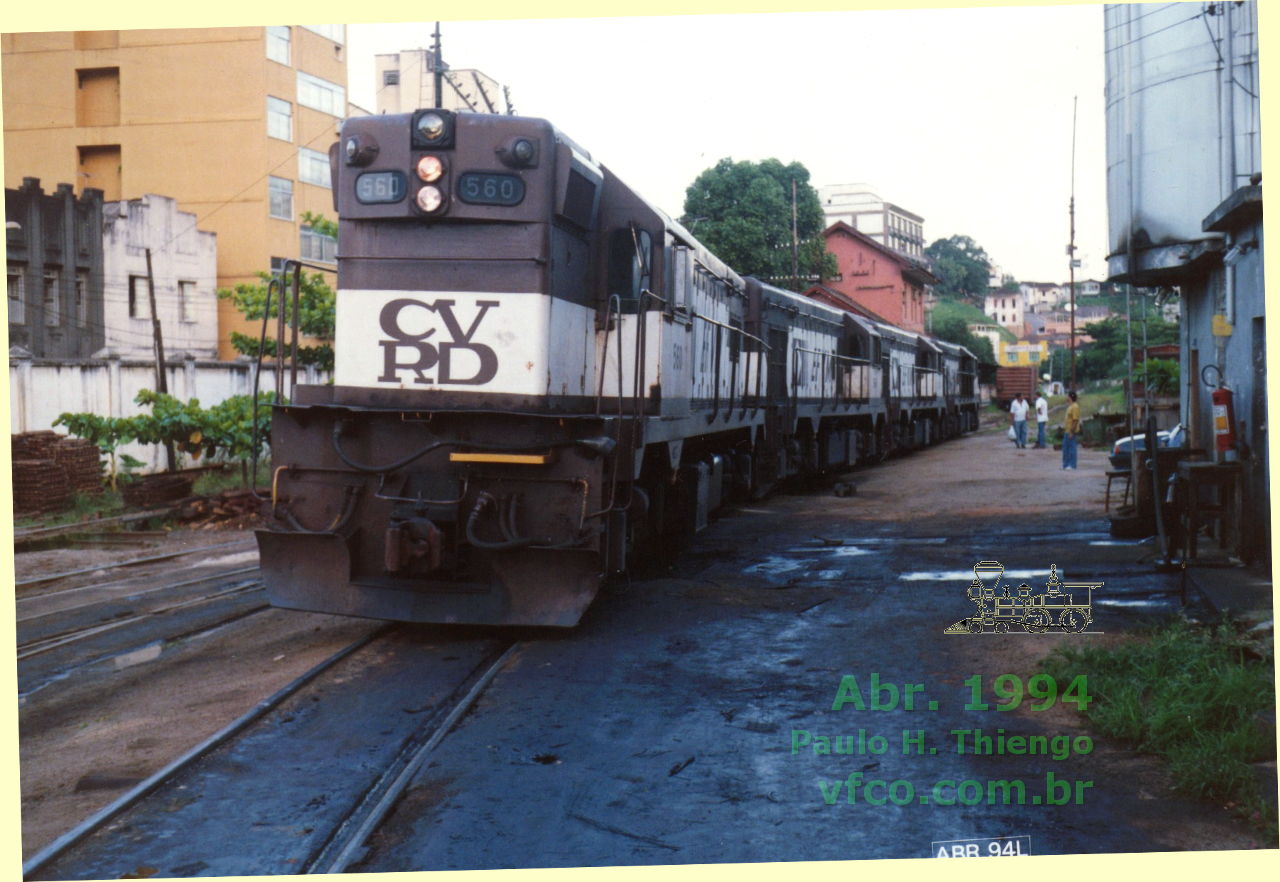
<point>540,377</point>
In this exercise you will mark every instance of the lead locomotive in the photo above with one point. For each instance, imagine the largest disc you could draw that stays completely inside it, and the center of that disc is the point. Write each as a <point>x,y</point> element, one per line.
<point>540,377</point>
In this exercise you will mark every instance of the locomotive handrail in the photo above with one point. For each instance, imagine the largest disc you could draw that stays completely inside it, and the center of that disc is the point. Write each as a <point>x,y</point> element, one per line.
<point>836,359</point>
<point>715,406</point>
<point>604,355</point>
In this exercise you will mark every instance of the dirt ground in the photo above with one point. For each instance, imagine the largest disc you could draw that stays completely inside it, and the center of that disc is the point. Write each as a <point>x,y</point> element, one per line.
<point>95,738</point>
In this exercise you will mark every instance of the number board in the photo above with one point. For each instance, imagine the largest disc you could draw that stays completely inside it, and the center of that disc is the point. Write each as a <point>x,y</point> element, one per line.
<point>383,186</point>
<point>490,188</point>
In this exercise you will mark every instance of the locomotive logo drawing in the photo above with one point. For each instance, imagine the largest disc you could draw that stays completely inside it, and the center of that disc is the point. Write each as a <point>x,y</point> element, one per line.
<point>1066,605</point>
<point>431,354</point>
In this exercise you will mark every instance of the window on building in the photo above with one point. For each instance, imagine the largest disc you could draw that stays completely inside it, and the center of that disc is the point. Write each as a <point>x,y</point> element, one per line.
<point>17,303</point>
<point>186,301</point>
<point>280,193</point>
<point>321,95</point>
<point>391,78</point>
<point>139,302</point>
<point>279,119</point>
<point>334,32</point>
<point>52,302</point>
<point>317,246</point>
<point>313,167</point>
<point>277,265</point>
<point>82,299</point>
<point>278,43</point>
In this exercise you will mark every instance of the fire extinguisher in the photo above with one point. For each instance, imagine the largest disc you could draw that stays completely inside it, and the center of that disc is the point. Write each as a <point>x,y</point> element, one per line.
<point>1224,420</point>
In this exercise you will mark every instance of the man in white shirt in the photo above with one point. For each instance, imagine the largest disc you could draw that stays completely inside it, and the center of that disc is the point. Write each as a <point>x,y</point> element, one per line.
<point>1042,418</point>
<point>1018,414</point>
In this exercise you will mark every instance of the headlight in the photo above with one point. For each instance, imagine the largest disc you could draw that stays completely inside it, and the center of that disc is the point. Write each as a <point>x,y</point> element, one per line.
<point>523,150</point>
<point>430,126</point>
<point>430,199</point>
<point>430,168</point>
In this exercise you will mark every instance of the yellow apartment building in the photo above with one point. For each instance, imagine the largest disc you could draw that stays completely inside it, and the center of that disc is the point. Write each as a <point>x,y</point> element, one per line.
<point>234,123</point>
<point>1022,353</point>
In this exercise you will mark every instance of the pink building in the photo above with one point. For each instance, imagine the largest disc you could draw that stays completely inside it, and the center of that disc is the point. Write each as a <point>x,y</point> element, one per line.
<point>883,282</point>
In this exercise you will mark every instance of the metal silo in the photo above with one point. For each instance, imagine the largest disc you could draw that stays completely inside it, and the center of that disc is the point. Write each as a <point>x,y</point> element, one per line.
<point>1182,129</point>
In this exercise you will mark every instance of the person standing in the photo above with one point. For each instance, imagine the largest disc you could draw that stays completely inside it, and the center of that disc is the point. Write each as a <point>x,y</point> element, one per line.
<point>1071,431</point>
<point>1042,419</point>
<point>1018,414</point>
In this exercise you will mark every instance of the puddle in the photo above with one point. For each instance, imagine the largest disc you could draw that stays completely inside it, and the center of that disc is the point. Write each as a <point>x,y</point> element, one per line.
<point>774,566</point>
<point>967,575</point>
<point>1154,602</point>
<point>244,557</point>
<point>147,653</point>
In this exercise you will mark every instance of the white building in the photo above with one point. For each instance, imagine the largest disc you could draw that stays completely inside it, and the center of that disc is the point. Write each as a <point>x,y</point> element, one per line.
<point>1042,296</point>
<point>1006,308</point>
<point>866,212</point>
<point>406,82</point>
<point>184,268</point>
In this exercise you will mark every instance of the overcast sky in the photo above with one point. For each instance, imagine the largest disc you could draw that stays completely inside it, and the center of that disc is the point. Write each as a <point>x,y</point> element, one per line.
<point>962,116</point>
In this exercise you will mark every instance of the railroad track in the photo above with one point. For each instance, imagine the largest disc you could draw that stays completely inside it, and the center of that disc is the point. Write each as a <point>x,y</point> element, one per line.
<point>300,782</point>
<point>133,562</point>
<point>61,633</point>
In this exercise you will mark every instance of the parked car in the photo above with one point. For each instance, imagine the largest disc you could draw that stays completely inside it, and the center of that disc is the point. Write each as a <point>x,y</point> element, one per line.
<point>1175,437</point>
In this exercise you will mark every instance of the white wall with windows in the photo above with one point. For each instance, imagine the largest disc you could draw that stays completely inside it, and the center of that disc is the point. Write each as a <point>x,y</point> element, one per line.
<point>183,271</point>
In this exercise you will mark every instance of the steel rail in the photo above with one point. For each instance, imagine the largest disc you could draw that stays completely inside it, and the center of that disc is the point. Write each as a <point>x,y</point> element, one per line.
<point>143,788</point>
<point>131,562</point>
<point>348,844</point>
<point>210,578</point>
<point>36,647</point>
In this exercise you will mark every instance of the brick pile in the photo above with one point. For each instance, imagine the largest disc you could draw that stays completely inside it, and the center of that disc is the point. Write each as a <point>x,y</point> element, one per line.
<point>49,468</point>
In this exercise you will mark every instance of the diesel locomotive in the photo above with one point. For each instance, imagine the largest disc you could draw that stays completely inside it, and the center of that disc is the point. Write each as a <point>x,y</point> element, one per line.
<point>541,378</point>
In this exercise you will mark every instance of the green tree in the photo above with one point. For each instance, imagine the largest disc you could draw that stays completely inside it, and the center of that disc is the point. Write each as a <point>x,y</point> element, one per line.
<point>962,266</point>
<point>742,212</point>
<point>316,302</point>
<point>108,434</point>
<point>1104,358</point>
<point>954,329</point>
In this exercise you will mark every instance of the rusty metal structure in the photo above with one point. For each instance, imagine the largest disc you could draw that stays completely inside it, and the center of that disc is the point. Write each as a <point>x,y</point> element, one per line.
<point>540,378</point>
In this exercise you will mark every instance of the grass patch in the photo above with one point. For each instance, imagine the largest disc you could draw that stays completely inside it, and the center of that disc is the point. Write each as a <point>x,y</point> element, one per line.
<point>231,478</point>
<point>1189,694</point>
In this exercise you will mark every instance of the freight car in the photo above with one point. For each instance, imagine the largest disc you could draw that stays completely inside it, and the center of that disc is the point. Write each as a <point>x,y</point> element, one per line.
<point>540,377</point>
<point>1013,380</point>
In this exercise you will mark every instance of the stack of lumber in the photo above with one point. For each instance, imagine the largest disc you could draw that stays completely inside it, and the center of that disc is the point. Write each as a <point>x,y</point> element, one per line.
<point>48,468</point>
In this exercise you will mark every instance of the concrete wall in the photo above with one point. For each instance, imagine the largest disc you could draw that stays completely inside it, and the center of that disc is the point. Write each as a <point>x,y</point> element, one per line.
<point>41,390</point>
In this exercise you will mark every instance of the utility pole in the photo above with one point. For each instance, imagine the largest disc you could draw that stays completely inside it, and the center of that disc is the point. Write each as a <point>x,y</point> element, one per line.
<point>439,68</point>
<point>1071,246</point>
<point>162,381</point>
<point>795,242</point>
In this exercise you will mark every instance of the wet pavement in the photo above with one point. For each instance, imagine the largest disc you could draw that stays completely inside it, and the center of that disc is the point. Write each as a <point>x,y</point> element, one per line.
<point>691,719</point>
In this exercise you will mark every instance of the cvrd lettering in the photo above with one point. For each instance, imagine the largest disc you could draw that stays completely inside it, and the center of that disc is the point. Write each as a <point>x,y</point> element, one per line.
<point>421,355</point>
